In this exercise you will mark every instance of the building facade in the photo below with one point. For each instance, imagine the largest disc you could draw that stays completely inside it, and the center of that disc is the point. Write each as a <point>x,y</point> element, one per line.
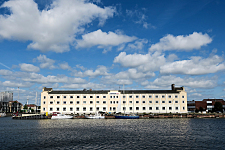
<point>205,104</point>
<point>110,101</point>
<point>15,106</point>
<point>5,97</point>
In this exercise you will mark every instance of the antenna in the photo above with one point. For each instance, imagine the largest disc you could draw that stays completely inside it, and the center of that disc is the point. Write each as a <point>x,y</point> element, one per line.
<point>18,93</point>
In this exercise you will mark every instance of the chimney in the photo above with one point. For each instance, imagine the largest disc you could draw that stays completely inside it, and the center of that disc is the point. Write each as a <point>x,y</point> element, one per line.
<point>173,87</point>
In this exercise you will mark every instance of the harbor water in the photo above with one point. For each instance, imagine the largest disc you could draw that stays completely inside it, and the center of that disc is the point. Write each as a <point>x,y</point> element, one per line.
<point>182,133</point>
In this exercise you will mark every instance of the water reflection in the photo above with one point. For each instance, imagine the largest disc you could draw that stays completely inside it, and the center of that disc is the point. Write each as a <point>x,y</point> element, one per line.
<point>112,134</point>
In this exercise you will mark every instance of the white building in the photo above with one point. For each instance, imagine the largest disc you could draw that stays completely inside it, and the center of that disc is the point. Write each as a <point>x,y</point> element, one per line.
<point>127,101</point>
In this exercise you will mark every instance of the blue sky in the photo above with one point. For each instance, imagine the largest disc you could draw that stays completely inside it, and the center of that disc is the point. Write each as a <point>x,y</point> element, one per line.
<point>72,45</point>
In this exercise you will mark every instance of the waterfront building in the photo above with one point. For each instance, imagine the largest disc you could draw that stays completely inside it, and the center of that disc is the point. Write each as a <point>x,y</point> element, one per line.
<point>5,97</point>
<point>15,106</point>
<point>111,101</point>
<point>205,104</point>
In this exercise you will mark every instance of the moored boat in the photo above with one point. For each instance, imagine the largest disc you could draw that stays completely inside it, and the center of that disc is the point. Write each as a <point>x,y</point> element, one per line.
<point>95,116</point>
<point>57,115</point>
<point>2,114</point>
<point>127,117</point>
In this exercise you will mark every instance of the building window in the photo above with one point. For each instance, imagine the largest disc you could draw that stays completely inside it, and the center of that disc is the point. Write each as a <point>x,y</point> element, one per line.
<point>170,108</point>
<point>44,97</point>
<point>43,109</point>
<point>64,108</point>
<point>84,102</point>
<point>110,102</point>
<point>97,102</point>
<point>43,102</point>
<point>104,96</point>
<point>78,96</point>
<point>58,96</point>
<point>183,108</point>
<point>51,96</point>
<point>97,108</point>
<point>130,96</point>
<point>149,96</point>
<point>150,108</point>
<point>143,96</point>
<point>110,108</point>
<point>163,101</point>
<point>183,102</point>
<point>130,108</point>
<point>137,96</point>
<point>163,108</point>
<point>104,108</point>
<point>130,101</point>
<point>114,102</point>
<point>114,96</point>
<point>64,96</point>
<point>110,96</point>
<point>124,102</point>
<point>71,102</point>
<point>156,101</point>
<point>91,109</point>
<point>117,96</point>
<point>57,109</point>
<point>176,101</point>
<point>182,96</point>
<point>64,102</point>
<point>156,96</point>
<point>143,102</point>
<point>124,108</point>
<point>71,96</point>
<point>137,108</point>
<point>176,96</point>
<point>137,102</point>
<point>98,96</point>
<point>77,109</point>
<point>104,102</point>
<point>91,102</point>
<point>58,102</point>
<point>78,102</point>
<point>51,109</point>
<point>176,108</point>
<point>124,96</point>
<point>143,108</point>
<point>114,108</point>
<point>163,96</point>
<point>150,101</point>
<point>84,108</point>
<point>71,108</point>
<point>170,101</point>
<point>91,96</point>
<point>84,96</point>
<point>51,102</point>
<point>117,102</point>
<point>157,108</point>
<point>169,96</point>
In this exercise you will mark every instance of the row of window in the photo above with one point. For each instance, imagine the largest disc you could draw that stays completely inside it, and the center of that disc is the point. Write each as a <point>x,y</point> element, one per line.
<point>112,108</point>
<point>111,102</point>
<point>130,96</point>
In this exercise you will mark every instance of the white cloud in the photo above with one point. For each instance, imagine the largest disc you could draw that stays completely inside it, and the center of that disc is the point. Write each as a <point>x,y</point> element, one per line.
<point>139,44</point>
<point>194,66</point>
<point>144,62</point>
<point>103,39</point>
<point>134,74</point>
<point>16,84</point>
<point>188,42</point>
<point>51,29</point>
<point>100,71</point>
<point>45,62</point>
<point>64,66</point>
<point>29,68</point>
<point>196,82</point>
<point>84,86</point>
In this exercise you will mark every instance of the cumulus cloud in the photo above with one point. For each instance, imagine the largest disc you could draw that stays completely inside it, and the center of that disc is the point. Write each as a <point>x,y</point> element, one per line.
<point>188,42</point>
<point>83,86</point>
<point>195,66</point>
<point>53,28</point>
<point>196,82</point>
<point>29,67</point>
<point>100,71</point>
<point>103,39</point>
<point>139,44</point>
<point>64,66</point>
<point>45,62</point>
<point>16,84</point>
<point>134,74</point>
<point>144,62</point>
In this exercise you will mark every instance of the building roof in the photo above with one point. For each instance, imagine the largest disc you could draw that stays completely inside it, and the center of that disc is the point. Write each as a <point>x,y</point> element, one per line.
<point>121,91</point>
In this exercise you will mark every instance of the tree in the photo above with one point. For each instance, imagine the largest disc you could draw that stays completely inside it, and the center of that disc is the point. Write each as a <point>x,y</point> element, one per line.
<point>218,106</point>
<point>201,109</point>
<point>25,107</point>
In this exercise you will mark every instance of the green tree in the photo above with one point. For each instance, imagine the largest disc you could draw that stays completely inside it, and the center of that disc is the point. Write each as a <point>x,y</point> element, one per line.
<point>218,106</point>
<point>25,107</point>
<point>201,109</point>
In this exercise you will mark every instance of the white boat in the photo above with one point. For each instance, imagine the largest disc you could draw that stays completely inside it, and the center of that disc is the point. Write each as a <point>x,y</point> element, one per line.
<point>2,114</point>
<point>95,116</point>
<point>57,115</point>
